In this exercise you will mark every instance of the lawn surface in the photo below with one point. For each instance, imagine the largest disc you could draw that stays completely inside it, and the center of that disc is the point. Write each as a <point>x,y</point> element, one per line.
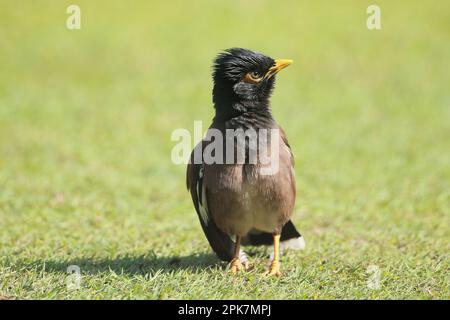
<point>86,118</point>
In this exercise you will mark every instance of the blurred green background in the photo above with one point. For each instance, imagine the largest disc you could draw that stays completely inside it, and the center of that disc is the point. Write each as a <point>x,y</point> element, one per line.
<point>86,118</point>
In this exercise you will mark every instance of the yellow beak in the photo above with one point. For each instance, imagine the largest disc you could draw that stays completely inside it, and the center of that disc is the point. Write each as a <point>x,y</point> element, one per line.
<point>278,66</point>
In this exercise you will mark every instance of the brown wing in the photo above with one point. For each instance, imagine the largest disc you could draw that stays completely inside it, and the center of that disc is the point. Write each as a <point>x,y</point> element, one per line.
<point>220,242</point>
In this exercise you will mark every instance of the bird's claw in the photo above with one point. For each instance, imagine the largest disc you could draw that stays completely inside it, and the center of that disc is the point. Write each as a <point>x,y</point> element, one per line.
<point>236,265</point>
<point>274,269</point>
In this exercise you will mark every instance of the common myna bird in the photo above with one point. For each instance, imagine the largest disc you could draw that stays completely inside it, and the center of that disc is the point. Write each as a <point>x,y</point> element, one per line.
<point>236,202</point>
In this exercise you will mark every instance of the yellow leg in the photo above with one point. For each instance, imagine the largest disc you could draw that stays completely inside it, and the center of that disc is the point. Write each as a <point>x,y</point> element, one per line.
<point>236,264</point>
<point>274,269</point>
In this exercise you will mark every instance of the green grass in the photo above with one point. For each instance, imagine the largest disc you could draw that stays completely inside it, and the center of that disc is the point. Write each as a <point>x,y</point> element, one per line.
<point>85,124</point>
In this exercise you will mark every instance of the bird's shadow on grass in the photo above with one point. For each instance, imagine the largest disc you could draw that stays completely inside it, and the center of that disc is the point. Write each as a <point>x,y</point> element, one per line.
<point>132,265</point>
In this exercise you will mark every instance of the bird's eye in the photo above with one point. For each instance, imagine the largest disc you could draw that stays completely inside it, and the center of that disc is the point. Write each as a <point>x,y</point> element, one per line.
<point>253,77</point>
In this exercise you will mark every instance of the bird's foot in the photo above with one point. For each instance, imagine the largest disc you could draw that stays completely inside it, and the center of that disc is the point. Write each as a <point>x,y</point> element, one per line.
<point>236,265</point>
<point>274,269</point>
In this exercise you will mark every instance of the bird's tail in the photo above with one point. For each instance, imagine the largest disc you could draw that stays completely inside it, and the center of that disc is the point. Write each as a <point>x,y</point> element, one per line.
<point>223,245</point>
<point>290,238</point>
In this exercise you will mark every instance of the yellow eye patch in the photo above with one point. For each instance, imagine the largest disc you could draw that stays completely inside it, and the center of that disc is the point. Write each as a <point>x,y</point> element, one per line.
<point>253,77</point>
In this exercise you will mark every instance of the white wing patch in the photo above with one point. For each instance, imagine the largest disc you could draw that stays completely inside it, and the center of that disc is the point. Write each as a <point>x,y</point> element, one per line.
<point>201,195</point>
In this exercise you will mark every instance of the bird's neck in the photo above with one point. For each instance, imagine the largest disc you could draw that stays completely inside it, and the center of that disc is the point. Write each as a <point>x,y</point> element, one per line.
<point>245,115</point>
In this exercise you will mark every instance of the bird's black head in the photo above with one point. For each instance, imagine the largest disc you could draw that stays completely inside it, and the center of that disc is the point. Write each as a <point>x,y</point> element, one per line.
<point>243,80</point>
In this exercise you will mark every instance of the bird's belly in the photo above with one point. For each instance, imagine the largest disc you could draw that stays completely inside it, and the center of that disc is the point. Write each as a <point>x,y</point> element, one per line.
<point>244,204</point>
